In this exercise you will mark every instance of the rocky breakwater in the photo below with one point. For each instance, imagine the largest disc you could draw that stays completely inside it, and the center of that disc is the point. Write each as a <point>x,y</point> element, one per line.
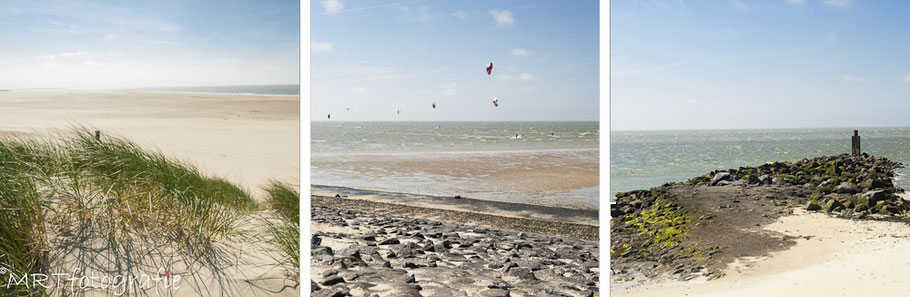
<point>697,227</point>
<point>356,253</point>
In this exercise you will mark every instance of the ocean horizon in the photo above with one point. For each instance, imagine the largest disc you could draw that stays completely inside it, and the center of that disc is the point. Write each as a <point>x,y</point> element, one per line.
<point>277,89</point>
<point>642,159</point>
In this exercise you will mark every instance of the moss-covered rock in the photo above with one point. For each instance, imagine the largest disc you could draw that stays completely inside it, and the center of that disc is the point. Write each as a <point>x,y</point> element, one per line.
<point>813,205</point>
<point>833,205</point>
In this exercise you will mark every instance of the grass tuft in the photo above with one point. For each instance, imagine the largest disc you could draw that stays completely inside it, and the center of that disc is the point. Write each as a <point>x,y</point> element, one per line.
<point>112,186</point>
<point>285,200</point>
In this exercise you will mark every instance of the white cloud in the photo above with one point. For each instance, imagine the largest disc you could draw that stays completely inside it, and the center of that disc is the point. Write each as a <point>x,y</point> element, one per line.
<point>460,14</point>
<point>522,76</point>
<point>74,54</point>
<point>332,6</point>
<point>739,5</point>
<point>424,13</point>
<point>691,101</point>
<point>837,3</point>
<point>907,78</point>
<point>503,17</point>
<point>321,46</point>
<point>448,89</point>
<point>848,77</point>
<point>520,52</point>
<point>795,2</point>
<point>72,28</point>
<point>359,89</point>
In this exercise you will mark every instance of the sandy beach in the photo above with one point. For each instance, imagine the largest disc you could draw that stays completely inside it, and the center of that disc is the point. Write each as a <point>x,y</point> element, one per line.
<point>247,139</point>
<point>833,257</point>
<point>830,226</point>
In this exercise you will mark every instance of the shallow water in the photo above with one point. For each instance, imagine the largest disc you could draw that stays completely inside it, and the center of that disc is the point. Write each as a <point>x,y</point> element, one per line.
<point>645,159</point>
<point>548,163</point>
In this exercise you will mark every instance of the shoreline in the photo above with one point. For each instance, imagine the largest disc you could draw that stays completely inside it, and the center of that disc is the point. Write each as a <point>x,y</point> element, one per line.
<point>582,224</point>
<point>248,139</point>
<point>331,154</point>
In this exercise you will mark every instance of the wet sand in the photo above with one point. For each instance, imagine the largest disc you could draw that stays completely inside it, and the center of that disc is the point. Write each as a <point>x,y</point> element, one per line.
<point>558,178</point>
<point>582,224</point>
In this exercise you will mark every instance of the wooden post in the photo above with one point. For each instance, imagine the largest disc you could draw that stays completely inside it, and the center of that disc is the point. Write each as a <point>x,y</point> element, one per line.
<point>98,135</point>
<point>856,149</point>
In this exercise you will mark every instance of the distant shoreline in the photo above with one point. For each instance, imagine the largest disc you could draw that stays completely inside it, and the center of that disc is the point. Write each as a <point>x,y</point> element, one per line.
<point>183,90</point>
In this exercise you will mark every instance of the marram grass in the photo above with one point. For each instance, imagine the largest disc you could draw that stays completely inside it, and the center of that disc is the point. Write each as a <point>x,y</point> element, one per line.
<point>285,200</point>
<point>112,185</point>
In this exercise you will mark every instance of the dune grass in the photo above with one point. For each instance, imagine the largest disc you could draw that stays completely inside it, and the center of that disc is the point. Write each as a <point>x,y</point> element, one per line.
<point>112,186</point>
<point>285,200</point>
<point>22,240</point>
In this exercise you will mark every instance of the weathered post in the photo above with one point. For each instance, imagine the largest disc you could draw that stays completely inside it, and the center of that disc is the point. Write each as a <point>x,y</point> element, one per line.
<point>856,150</point>
<point>98,135</point>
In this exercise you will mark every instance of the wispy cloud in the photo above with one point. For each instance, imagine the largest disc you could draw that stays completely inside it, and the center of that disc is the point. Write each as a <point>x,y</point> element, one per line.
<point>520,52</point>
<point>522,76</point>
<point>448,89</point>
<point>424,13</point>
<point>503,17</point>
<point>72,28</point>
<point>321,46</point>
<point>644,70</point>
<point>359,89</point>
<point>332,6</point>
<point>795,2</point>
<point>400,6</point>
<point>907,78</point>
<point>72,54</point>
<point>739,5</point>
<point>849,77</point>
<point>460,15</point>
<point>837,3</point>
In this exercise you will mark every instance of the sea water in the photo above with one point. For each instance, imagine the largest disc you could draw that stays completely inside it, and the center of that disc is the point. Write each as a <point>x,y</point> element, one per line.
<point>645,159</point>
<point>528,162</point>
<point>250,89</point>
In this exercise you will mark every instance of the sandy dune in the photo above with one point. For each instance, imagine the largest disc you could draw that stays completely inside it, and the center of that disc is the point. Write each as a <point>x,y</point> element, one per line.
<point>247,139</point>
<point>835,257</point>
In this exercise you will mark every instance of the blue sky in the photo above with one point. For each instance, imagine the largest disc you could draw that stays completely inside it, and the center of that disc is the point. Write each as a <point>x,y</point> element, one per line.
<point>759,64</point>
<point>124,44</point>
<point>381,56</point>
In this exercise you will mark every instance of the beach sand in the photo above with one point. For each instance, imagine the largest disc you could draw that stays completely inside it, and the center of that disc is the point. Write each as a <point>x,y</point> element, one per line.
<point>247,139</point>
<point>833,257</point>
